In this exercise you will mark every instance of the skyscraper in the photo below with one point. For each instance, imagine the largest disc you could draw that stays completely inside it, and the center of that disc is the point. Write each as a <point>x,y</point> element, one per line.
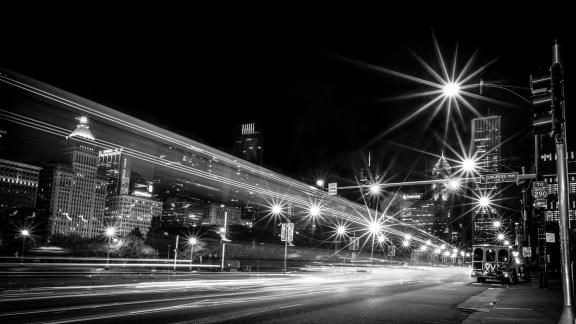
<point>116,166</point>
<point>486,139</point>
<point>443,200</point>
<point>78,191</point>
<point>248,143</point>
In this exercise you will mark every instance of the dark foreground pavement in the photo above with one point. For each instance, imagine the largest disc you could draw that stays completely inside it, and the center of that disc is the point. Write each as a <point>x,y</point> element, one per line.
<point>376,295</point>
<point>522,303</point>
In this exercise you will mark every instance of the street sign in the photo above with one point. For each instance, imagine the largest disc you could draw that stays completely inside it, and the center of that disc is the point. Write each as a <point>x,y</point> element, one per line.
<point>540,203</point>
<point>287,232</point>
<point>499,177</point>
<point>526,252</point>
<point>539,190</point>
<point>355,244</point>
<point>391,251</point>
<point>550,238</point>
<point>332,188</point>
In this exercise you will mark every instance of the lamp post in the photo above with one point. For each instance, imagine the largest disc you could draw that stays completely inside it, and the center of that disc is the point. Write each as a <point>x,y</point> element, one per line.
<point>24,233</point>
<point>110,233</point>
<point>176,251</point>
<point>223,230</point>
<point>192,241</point>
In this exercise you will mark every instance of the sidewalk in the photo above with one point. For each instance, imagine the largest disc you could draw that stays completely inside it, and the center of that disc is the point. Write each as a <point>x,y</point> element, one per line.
<point>521,303</point>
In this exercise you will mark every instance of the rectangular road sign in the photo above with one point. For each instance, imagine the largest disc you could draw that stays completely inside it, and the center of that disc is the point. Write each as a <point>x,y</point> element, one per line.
<point>287,232</point>
<point>550,238</point>
<point>499,177</point>
<point>333,188</point>
<point>526,251</point>
<point>354,244</point>
<point>540,203</point>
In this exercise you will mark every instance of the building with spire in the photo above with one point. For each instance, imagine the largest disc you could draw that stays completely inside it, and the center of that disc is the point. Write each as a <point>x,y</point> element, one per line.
<point>73,193</point>
<point>443,198</point>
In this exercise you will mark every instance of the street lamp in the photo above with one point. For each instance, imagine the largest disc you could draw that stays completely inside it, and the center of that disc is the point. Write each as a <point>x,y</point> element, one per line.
<point>501,237</point>
<point>224,239</point>
<point>314,210</point>
<point>192,241</point>
<point>496,224</point>
<point>24,233</point>
<point>468,165</point>
<point>110,233</point>
<point>484,201</point>
<point>320,183</point>
<point>375,189</point>
<point>451,89</point>
<point>276,210</point>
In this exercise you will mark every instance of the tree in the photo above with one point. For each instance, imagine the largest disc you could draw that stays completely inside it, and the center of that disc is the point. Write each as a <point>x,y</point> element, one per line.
<point>136,232</point>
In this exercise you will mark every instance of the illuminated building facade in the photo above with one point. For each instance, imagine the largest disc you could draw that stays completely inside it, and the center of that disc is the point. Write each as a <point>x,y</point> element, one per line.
<point>416,212</point>
<point>486,140</point>
<point>249,143</point>
<point>180,212</point>
<point>116,166</point>
<point>78,191</point>
<point>18,185</point>
<point>214,215</point>
<point>126,212</point>
<point>443,199</point>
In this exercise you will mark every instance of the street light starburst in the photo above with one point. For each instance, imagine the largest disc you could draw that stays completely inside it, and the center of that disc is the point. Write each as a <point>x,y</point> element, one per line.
<point>449,86</point>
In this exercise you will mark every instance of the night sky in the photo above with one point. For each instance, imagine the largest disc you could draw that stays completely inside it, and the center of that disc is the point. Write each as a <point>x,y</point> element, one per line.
<point>319,113</point>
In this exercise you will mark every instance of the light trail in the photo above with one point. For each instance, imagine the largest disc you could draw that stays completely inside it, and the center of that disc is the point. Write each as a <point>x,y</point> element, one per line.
<point>357,216</point>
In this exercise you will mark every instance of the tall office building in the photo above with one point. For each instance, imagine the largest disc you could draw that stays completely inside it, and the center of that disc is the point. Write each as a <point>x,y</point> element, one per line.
<point>18,185</point>
<point>443,199</point>
<point>486,140</point>
<point>78,191</point>
<point>416,211</point>
<point>248,143</point>
<point>126,212</point>
<point>116,166</point>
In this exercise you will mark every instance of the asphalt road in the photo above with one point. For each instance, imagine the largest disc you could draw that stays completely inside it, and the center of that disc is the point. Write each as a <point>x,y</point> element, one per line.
<point>399,295</point>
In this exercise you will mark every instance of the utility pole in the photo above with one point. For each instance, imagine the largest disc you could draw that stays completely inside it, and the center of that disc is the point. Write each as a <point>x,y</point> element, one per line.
<point>548,105</point>
<point>559,128</point>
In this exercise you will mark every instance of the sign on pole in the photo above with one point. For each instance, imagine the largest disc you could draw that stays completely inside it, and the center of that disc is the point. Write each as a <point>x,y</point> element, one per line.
<point>499,177</point>
<point>526,251</point>
<point>287,232</point>
<point>355,244</point>
<point>391,251</point>
<point>539,190</point>
<point>550,238</point>
<point>333,188</point>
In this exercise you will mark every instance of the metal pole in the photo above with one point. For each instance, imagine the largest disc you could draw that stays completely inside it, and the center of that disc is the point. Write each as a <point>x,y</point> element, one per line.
<point>563,192</point>
<point>285,251</point>
<point>223,242</point>
<point>191,255</point>
<point>176,251</point>
<point>108,256</point>
<point>23,241</point>
<point>563,207</point>
<point>372,252</point>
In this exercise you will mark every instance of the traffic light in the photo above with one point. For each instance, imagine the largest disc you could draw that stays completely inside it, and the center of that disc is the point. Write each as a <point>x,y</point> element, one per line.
<point>541,88</point>
<point>547,96</point>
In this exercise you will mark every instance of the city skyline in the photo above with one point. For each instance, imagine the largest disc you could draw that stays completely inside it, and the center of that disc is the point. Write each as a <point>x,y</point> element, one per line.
<point>339,108</point>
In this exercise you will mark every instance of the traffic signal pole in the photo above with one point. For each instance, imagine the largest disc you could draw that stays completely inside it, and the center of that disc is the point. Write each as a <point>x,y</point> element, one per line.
<point>558,108</point>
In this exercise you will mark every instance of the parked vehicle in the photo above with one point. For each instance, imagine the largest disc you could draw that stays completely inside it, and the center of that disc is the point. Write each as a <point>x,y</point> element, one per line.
<point>497,262</point>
